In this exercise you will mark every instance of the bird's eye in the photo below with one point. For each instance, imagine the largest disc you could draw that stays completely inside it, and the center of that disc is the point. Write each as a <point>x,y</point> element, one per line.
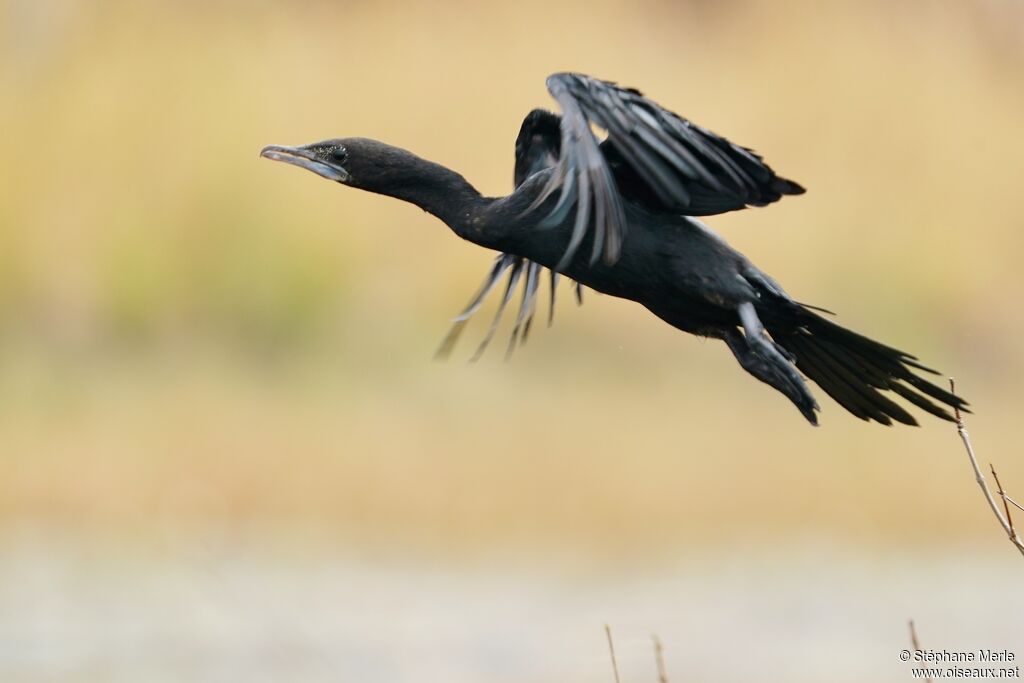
<point>338,154</point>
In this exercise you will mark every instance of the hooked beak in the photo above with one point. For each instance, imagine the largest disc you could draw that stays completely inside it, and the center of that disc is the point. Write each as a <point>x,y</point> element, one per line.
<point>304,158</point>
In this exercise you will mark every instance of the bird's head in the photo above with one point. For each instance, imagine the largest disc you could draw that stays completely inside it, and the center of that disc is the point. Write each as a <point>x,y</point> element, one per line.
<point>329,159</point>
<point>359,162</point>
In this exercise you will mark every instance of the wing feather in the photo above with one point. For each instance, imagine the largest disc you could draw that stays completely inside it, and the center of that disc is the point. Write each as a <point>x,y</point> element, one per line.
<point>681,167</point>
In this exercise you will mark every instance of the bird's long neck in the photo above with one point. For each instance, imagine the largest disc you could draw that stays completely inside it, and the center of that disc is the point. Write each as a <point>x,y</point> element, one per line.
<point>432,187</point>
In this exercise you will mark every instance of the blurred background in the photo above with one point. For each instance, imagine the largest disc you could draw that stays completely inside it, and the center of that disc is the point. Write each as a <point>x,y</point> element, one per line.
<point>227,454</point>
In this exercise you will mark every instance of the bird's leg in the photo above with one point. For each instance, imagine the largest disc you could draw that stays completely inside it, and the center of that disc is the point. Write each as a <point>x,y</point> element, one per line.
<point>767,361</point>
<point>755,331</point>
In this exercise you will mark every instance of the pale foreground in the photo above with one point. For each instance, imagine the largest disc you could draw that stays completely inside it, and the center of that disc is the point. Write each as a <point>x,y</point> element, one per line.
<point>222,610</point>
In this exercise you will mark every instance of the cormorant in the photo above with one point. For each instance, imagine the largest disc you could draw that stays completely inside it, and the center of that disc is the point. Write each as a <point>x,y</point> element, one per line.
<point>618,216</point>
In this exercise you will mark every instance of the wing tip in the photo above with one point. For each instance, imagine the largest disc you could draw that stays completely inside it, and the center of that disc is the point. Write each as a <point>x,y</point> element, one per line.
<point>560,77</point>
<point>786,186</point>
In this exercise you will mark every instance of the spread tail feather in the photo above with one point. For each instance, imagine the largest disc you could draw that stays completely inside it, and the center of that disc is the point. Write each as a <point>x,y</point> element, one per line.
<point>855,370</point>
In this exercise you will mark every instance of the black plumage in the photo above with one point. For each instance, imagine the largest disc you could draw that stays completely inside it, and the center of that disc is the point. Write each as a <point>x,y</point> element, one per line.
<point>617,215</point>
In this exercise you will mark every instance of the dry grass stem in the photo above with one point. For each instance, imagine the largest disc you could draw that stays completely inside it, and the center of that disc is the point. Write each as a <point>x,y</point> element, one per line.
<point>1012,502</point>
<point>611,649</point>
<point>916,644</point>
<point>659,659</point>
<point>1002,494</point>
<point>1004,520</point>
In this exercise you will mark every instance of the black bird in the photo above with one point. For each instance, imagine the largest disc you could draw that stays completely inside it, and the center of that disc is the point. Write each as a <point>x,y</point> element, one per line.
<point>618,216</point>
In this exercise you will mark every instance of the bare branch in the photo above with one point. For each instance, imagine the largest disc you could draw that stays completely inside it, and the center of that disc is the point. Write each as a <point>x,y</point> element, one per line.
<point>1007,525</point>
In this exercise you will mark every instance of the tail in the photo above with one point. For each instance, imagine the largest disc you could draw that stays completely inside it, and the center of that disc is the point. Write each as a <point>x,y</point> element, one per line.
<point>855,370</point>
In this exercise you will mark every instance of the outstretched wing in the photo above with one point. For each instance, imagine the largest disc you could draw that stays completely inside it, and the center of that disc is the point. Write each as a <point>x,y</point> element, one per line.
<point>655,155</point>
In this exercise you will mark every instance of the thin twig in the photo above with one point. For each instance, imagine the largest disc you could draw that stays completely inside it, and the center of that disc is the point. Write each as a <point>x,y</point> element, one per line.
<point>961,429</point>
<point>659,658</point>
<point>1002,494</point>
<point>1013,502</point>
<point>916,644</point>
<point>611,649</point>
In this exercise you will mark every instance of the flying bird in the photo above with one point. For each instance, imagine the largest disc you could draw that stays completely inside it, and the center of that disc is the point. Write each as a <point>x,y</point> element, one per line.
<point>618,215</point>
